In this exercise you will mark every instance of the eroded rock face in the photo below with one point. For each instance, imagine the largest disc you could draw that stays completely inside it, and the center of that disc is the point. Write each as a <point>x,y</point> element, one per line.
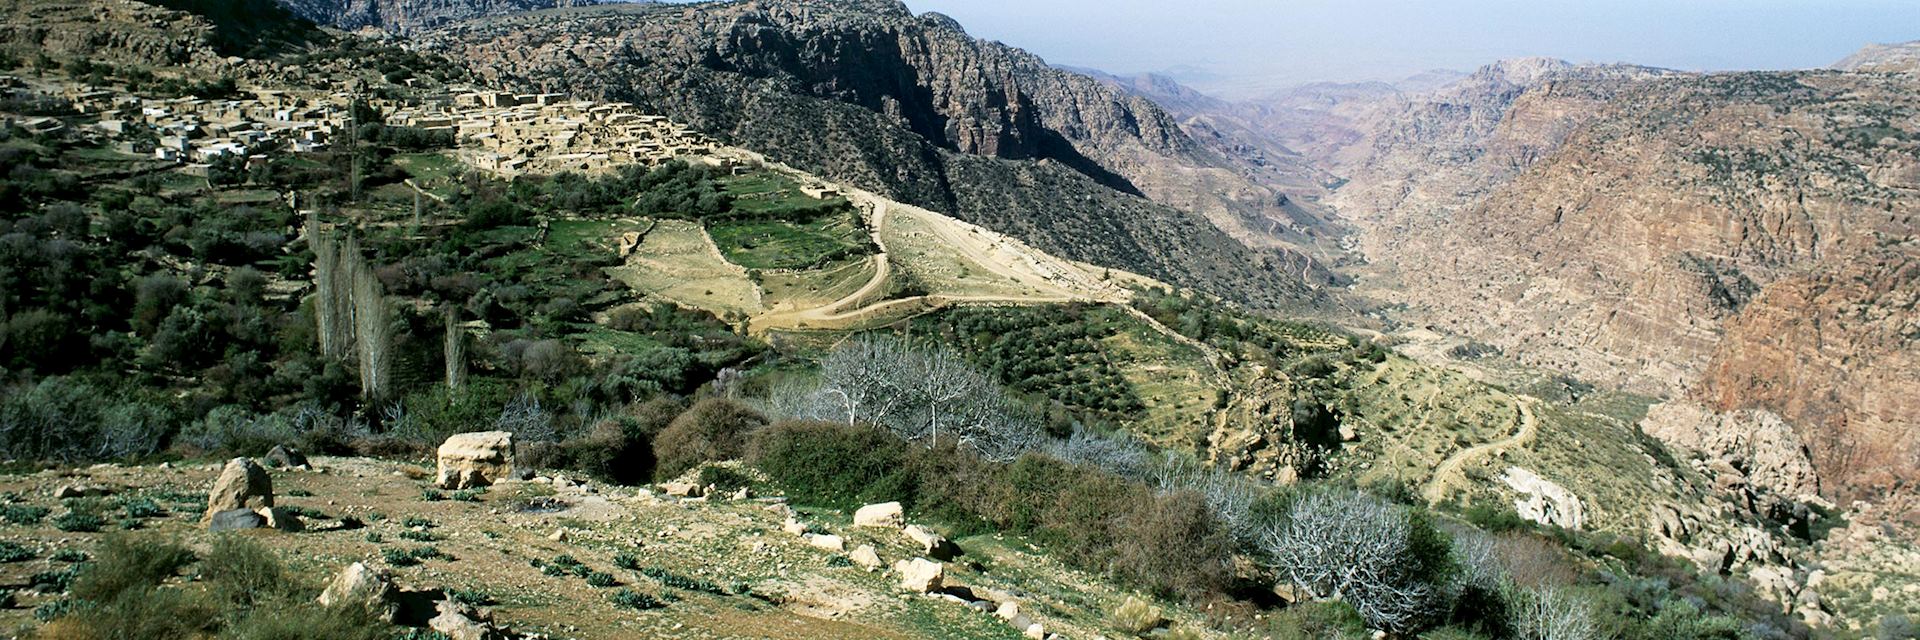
<point>1759,445</point>
<point>1543,501</point>
<point>241,483</point>
<point>1743,240</point>
<point>475,459</point>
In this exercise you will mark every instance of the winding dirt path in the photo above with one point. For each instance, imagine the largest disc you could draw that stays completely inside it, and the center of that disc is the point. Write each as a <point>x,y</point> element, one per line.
<point>1443,475</point>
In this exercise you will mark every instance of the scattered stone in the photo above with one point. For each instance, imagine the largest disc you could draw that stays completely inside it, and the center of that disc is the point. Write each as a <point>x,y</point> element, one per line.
<point>1036,631</point>
<point>281,519</point>
<point>558,535</point>
<point>866,557</point>
<point>921,575</point>
<point>794,527</point>
<point>885,514</point>
<point>743,494</point>
<point>681,489</point>
<point>236,520</point>
<point>80,491</point>
<point>239,482</point>
<point>285,457</point>
<point>932,544</point>
<point>1008,610</point>
<point>359,584</point>
<point>460,622</point>
<point>523,475</point>
<point>828,542</point>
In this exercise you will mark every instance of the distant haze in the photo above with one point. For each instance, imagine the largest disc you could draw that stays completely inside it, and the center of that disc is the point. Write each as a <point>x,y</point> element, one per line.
<point>1238,48</point>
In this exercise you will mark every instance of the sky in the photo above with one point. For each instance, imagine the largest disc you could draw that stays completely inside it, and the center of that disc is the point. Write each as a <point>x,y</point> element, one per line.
<point>1239,48</point>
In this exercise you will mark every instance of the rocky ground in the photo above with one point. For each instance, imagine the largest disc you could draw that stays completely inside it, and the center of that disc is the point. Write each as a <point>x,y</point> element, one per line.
<point>721,567</point>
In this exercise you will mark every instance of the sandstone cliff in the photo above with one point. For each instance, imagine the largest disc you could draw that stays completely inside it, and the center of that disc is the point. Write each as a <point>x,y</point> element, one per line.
<point>1746,239</point>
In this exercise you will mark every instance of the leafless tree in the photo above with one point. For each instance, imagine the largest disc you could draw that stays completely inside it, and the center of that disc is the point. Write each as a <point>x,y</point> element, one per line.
<point>922,394</point>
<point>1348,545</point>
<point>524,417</point>
<point>1550,614</point>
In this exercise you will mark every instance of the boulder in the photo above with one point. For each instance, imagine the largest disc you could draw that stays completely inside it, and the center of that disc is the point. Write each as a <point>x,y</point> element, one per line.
<point>828,542</point>
<point>681,489</point>
<point>794,527</point>
<point>885,514</point>
<point>239,483</point>
<point>921,575</point>
<point>359,584</point>
<point>932,544</point>
<point>80,491</point>
<point>475,459</point>
<point>285,457</point>
<point>1036,631</point>
<point>235,520</point>
<point>866,557</point>
<point>1008,610</point>
<point>459,622</point>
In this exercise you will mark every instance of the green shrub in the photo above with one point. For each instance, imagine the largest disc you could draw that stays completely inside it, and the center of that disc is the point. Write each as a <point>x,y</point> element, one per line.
<point>398,557</point>
<point>1329,620</point>
<point>724,479</point>
<point>79,522</point>
<point>243,573</point>
<point>626,560</point>
<point>601,579</point>
<point>143,508</point>
<point>634,600</point>
<point>468,495</point>
<point>69,555</point>
<point>712,430</point>
<point>432,495</point>
<point>679,581</point>
<point>832,465</point>
<point>413,522</point>
<point>417,536</point>
<point>11,551</point>
<point>24,514</point>
<point>125,562</point>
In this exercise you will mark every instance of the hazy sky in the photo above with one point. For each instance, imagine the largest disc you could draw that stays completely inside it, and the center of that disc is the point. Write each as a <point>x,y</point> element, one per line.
<point>1251,45</point>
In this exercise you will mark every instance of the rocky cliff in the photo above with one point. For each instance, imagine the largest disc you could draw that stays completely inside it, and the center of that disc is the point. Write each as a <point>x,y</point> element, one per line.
<point>914,108</point>
<point>406,16</point>
<point>1746,239</point>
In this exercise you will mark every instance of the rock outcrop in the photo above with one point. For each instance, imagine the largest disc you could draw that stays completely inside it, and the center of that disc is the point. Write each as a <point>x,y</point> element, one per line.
<point>475,459</point>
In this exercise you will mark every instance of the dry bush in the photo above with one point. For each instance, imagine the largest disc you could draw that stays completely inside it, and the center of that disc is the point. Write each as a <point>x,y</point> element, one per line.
<point>1534,562</point>
<point>1173,544</point>
<point>713,430</point>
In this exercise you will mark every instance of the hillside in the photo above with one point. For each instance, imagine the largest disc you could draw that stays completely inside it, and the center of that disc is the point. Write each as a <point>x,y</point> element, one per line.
<point>407,16</point>
<point>914,109</point>
<point>1883,58</point>
<point>336,245</point>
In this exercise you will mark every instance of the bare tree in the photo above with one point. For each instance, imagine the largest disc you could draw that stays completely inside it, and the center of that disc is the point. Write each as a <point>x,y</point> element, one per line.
<point>1550,614</point>
<point>922,394</point>
<point>1348,545</point>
